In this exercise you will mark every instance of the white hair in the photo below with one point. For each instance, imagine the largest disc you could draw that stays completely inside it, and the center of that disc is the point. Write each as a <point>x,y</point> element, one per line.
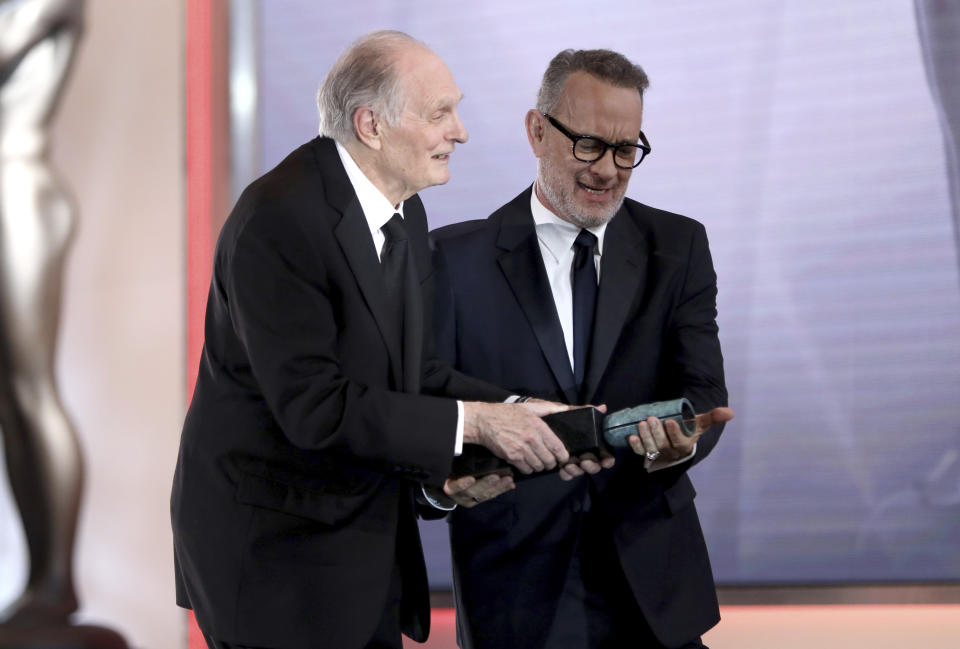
<point>364,75</point>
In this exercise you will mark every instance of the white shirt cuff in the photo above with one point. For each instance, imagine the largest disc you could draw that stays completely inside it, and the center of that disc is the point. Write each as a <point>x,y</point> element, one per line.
<point>458,447</point>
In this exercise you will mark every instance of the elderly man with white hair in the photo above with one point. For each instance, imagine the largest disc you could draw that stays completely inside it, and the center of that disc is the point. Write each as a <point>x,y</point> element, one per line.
<point>321,420</point>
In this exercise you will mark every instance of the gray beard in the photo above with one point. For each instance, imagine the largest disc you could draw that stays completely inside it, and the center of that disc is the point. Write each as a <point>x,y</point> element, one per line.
<point>568,211</point>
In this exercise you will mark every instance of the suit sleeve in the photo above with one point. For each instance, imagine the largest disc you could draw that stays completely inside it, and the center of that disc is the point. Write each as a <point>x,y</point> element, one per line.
<point>286,310</point>
<point>440,323</point>
<point>695,338</point>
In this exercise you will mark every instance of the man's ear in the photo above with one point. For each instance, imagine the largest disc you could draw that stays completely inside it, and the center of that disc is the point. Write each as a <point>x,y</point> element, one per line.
<point>536,125</point>
<point>367,127</point>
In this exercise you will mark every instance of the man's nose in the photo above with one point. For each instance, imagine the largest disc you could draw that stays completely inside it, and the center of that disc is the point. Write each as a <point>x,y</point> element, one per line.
<point>604,166</point>
<point>459,132</point>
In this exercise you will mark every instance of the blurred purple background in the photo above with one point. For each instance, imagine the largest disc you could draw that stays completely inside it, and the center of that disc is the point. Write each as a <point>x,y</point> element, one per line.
<point>806,138</point>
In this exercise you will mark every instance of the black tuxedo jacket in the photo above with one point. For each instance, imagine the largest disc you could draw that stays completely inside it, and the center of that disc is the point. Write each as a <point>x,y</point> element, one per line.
<point>654,338</point>
<point>310,425</point>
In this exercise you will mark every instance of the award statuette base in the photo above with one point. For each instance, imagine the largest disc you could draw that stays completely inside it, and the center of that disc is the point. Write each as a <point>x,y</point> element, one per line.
<point>580,430</point>
<point>479,462</point>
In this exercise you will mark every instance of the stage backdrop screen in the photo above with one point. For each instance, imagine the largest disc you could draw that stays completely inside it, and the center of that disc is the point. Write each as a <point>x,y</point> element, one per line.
<point>808,140</point>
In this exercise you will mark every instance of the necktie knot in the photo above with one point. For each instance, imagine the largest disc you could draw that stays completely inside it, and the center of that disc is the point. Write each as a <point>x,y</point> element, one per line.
<point>586,239</point>
<point>394,230</point>
<point>584,246</point>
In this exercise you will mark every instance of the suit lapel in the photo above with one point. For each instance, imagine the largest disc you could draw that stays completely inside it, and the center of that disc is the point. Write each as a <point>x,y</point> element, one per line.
<point>622,277</point>
<point>353,236</point>
<point>522,265</point>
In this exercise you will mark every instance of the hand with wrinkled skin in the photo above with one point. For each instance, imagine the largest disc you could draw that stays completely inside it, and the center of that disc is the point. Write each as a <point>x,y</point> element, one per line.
<point>587,463</point>
<point>666,438</point>
<point>515,433</point>
<point>468,491</point>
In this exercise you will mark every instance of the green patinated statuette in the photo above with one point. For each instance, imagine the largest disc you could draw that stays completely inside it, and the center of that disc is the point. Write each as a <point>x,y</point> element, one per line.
<point>619,425</point>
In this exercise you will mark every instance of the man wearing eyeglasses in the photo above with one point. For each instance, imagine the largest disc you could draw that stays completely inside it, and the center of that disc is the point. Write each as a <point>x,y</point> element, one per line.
<point>573,293</point>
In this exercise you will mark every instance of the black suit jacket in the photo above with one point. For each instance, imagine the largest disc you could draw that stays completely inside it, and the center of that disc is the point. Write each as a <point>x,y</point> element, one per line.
<point>308,429</point>
<point>655,338</point>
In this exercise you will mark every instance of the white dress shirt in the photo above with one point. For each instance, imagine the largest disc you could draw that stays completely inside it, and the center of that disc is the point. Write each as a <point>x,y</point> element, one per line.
<point>556,238</point>
<point>375,206</point>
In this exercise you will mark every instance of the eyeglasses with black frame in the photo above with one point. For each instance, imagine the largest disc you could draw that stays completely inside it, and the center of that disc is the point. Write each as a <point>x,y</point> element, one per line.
<point>587,148</point>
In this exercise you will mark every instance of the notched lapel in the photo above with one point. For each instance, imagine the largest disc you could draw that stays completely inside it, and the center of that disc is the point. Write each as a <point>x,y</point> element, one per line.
<point>523,268</point>
<point>623,279</point>
<point>354,237</point>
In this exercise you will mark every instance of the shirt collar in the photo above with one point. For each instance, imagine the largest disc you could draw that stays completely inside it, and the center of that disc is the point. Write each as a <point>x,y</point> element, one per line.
<point>376,208</point>
<point>557,235</point>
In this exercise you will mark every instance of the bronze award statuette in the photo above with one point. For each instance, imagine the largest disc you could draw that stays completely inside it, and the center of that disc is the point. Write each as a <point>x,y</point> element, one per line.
<point>582,431</point>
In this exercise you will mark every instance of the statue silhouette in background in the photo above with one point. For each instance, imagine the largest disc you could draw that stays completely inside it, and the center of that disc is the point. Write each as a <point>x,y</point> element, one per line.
<point>938,24</point>
<point>927,538</point>
<point>38,40</point>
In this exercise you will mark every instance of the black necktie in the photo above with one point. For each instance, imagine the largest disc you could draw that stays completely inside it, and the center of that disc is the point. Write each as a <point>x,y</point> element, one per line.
<point>584,300</point>
<point>393,261</point>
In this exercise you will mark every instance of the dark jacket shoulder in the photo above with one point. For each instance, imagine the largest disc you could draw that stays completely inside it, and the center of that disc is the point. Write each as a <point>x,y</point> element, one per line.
<point>283,189</point>
<point>658,219</point>
<point>459,230</point>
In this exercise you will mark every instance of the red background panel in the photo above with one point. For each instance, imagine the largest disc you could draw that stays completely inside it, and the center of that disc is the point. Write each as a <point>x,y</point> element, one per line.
<point>207,171</point>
